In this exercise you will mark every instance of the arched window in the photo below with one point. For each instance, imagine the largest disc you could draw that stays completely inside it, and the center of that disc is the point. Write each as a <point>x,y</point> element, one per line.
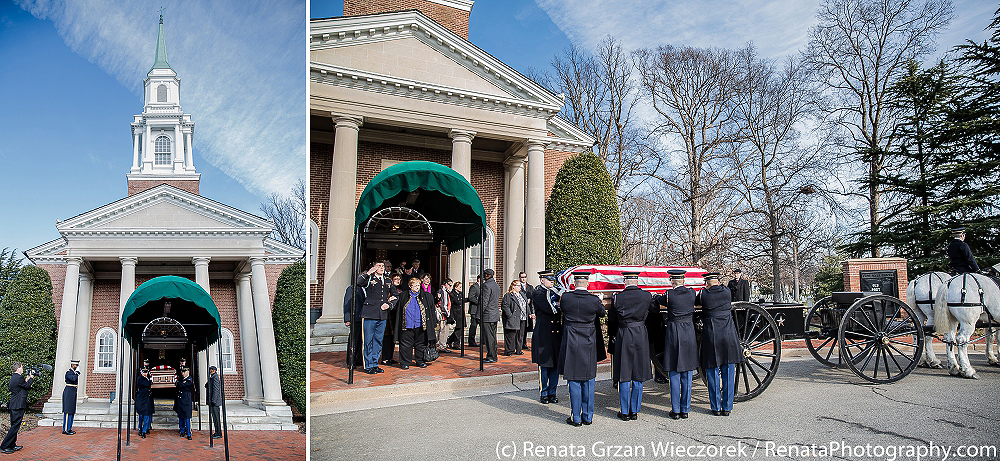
<point>161,93</point>
<point>226,344</point>
<point>161,150</point>
<point>104,350</point>
<point>476,267</point>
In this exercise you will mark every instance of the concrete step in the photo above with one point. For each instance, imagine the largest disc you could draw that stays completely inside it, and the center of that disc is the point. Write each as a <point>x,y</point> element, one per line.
<point>328,348</point>
<point>172,425</point>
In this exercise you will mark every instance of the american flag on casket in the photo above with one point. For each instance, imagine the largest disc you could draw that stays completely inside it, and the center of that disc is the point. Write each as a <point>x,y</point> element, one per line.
<point>651,278</point>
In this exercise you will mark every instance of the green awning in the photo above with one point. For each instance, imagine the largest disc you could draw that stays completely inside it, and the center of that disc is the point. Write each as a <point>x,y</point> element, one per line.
<point>190,305</point>
<point>444,197</point>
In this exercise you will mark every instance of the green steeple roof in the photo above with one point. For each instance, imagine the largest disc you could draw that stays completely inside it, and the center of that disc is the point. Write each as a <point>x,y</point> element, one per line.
<point>161,49</point>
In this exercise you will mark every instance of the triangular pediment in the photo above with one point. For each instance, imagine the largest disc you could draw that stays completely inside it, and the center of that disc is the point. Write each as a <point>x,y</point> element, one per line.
<point>406,50</point>
<point>166,208</point>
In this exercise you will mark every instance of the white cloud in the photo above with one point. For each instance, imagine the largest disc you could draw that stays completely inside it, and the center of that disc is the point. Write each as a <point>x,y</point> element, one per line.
<point>242,70</point>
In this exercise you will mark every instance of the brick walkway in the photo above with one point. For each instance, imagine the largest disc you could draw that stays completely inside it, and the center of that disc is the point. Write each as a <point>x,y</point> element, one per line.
<point>47,443</point>
<point>328,370</point>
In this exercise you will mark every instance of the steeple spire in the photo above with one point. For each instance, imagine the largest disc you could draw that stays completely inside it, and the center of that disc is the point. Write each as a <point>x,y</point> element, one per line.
<point>161,48</point>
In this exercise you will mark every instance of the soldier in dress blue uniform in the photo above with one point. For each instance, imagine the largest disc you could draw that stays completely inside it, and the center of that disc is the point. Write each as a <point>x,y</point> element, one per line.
<point>144,400</point>
<point>960,256</point>
<point>629,344</point>
<point>582,347</point>
<point>379,297</point>
<point>680,356</point>
<point>183,401</point>
<point>547,336</point>
<point>720,344</point>
<point>69,397</point>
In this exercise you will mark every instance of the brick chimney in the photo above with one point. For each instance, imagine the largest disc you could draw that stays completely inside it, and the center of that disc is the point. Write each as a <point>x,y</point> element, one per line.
<point>453,14</point>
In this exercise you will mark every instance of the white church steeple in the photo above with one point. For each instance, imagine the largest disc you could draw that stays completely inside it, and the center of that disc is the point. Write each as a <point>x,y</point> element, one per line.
<point>163,134</point>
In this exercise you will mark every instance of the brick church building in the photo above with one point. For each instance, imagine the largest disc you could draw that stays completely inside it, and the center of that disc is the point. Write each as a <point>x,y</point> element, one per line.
<point>165,227</point>
<point>398,80</point>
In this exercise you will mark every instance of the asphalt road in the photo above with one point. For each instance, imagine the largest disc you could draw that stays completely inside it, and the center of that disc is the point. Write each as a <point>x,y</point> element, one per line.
<point>808,412</point>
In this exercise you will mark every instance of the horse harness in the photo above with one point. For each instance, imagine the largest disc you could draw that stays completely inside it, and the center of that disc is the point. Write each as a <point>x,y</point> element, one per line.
<point>930,290</point>
<point>964,303</point>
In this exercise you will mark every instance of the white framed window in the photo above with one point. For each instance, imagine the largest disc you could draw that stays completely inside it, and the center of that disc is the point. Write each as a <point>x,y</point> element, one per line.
<point>476,267</point>
<point>104,350</point>
<point>161,150</point>
<point>313,252</point>
<point>161,93</point>
<point>226,345</point>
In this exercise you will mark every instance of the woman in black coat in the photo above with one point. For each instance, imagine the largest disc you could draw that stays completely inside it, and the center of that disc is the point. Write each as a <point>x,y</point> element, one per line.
<point>389,337</point>
<point>416,318</point>
<point>514,308</point>
<point>457,315</point>
<point>720,344</point>
<point>144,401</point>
<point>183,401</point>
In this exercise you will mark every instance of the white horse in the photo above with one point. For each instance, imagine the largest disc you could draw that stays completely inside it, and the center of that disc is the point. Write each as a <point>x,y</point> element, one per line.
<point>957,307</point>
<point>920,295</point>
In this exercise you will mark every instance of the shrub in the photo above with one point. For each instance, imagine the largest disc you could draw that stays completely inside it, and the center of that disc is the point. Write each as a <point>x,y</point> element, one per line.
<point>289,317</point>
<point>28,329</point>
<point>582,223</point>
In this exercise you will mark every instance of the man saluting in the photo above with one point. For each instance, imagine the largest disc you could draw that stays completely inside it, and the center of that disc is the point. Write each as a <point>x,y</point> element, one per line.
<point>581,348</point>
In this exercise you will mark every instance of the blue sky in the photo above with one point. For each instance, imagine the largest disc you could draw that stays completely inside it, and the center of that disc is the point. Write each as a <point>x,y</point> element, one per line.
<point>71,79</point>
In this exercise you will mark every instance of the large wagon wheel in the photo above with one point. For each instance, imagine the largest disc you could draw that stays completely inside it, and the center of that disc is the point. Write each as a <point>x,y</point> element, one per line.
<point>761,343</point>
<point>822,324</point>
<point>881,339</point>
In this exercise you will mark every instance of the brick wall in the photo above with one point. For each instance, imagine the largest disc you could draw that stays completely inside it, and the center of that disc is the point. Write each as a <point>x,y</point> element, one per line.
<point>136,186</point>
<point>224,294</point>
<point>58,275</point>
<point>320,167</point>
<point>853,268</point>
<point>454,19</point>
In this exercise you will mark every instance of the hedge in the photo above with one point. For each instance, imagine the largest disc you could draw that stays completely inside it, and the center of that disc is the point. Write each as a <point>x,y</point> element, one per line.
<point>582,223</point>
<point>28,329</point>
<point>289,317</point>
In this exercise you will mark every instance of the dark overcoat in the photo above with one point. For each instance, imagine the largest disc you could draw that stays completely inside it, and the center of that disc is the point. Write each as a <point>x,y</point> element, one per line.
<point>213,388</point>
<point>183,401</point>
<point>627,325</point>
<point>378,290</point>
<point>144,396</point>
<point>430,311</point>
<point>490,310</point>
<point>457,308</point>
<point>582,341</point>
<point>547,336</point>
<point>18,388</point>
<point>474,301</point>
<point>511,310</point>
<point>720,344</point>
<point>740,289</point>
<point>69,392</point>
<point>680,346</point>
<point>960,257</point>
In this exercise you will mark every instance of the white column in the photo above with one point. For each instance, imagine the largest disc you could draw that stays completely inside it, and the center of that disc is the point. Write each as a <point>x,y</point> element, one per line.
<point>265,333</point>
<point>147,151</point>
<point>461,162</point>
<point>461,152</point>
<point>81,351</point>
<point>188,150</point>
<point>513,261</point>
<point>208,356</point>
<point>127,287</point>
<point>67,324</point>
<point>534,216</point>
<point>135,156</point>
<point>252,384</point>
<point>178,153</point>
<point>340,220</point>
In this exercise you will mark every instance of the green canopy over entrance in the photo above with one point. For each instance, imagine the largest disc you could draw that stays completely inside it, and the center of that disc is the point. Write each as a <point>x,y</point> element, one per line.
<point>442,195</point>
<point>191,304</point>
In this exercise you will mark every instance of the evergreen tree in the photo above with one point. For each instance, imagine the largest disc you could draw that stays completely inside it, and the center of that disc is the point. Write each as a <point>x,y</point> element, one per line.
<point>10,265</point>
<point>289,318</point>
<point>582,224</point>
<point>28,328</point>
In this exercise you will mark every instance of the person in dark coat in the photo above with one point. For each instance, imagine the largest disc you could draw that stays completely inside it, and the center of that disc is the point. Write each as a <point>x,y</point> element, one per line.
<point>629,344</point>
<point>69,397</point>
<point>473,300</point>
<point>720,344</point>
<point>514,308</point>
<point>578,353</point>
<point>739,286</point>
<point>374,312</point>
<point>18,387</point>
<point>489,315</point>
<point>349,316</point>
<point>389,337</point>
<point>213,397</point>
<point>144,401</point>
<point>183,401</point>
<point>415,319</point>
<point>457,316</point>
<point>527,290</point>
<point>680,356</point>
<point>546,337</point>
<point>960,259</point>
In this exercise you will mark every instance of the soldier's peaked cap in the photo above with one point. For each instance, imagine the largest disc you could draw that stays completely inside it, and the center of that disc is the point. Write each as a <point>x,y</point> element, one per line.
<point>74,361</point>
<point>546,273</point>
<point>631,274</point>
<point>581,274</point>
<point>677,273</point>
<point>958,230</point>
<point>711,276</point>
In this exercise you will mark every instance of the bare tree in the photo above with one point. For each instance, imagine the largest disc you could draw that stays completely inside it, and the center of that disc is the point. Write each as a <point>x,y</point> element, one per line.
<point>861,47</point>
<point>692,92</point>
<point>288,215</point>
